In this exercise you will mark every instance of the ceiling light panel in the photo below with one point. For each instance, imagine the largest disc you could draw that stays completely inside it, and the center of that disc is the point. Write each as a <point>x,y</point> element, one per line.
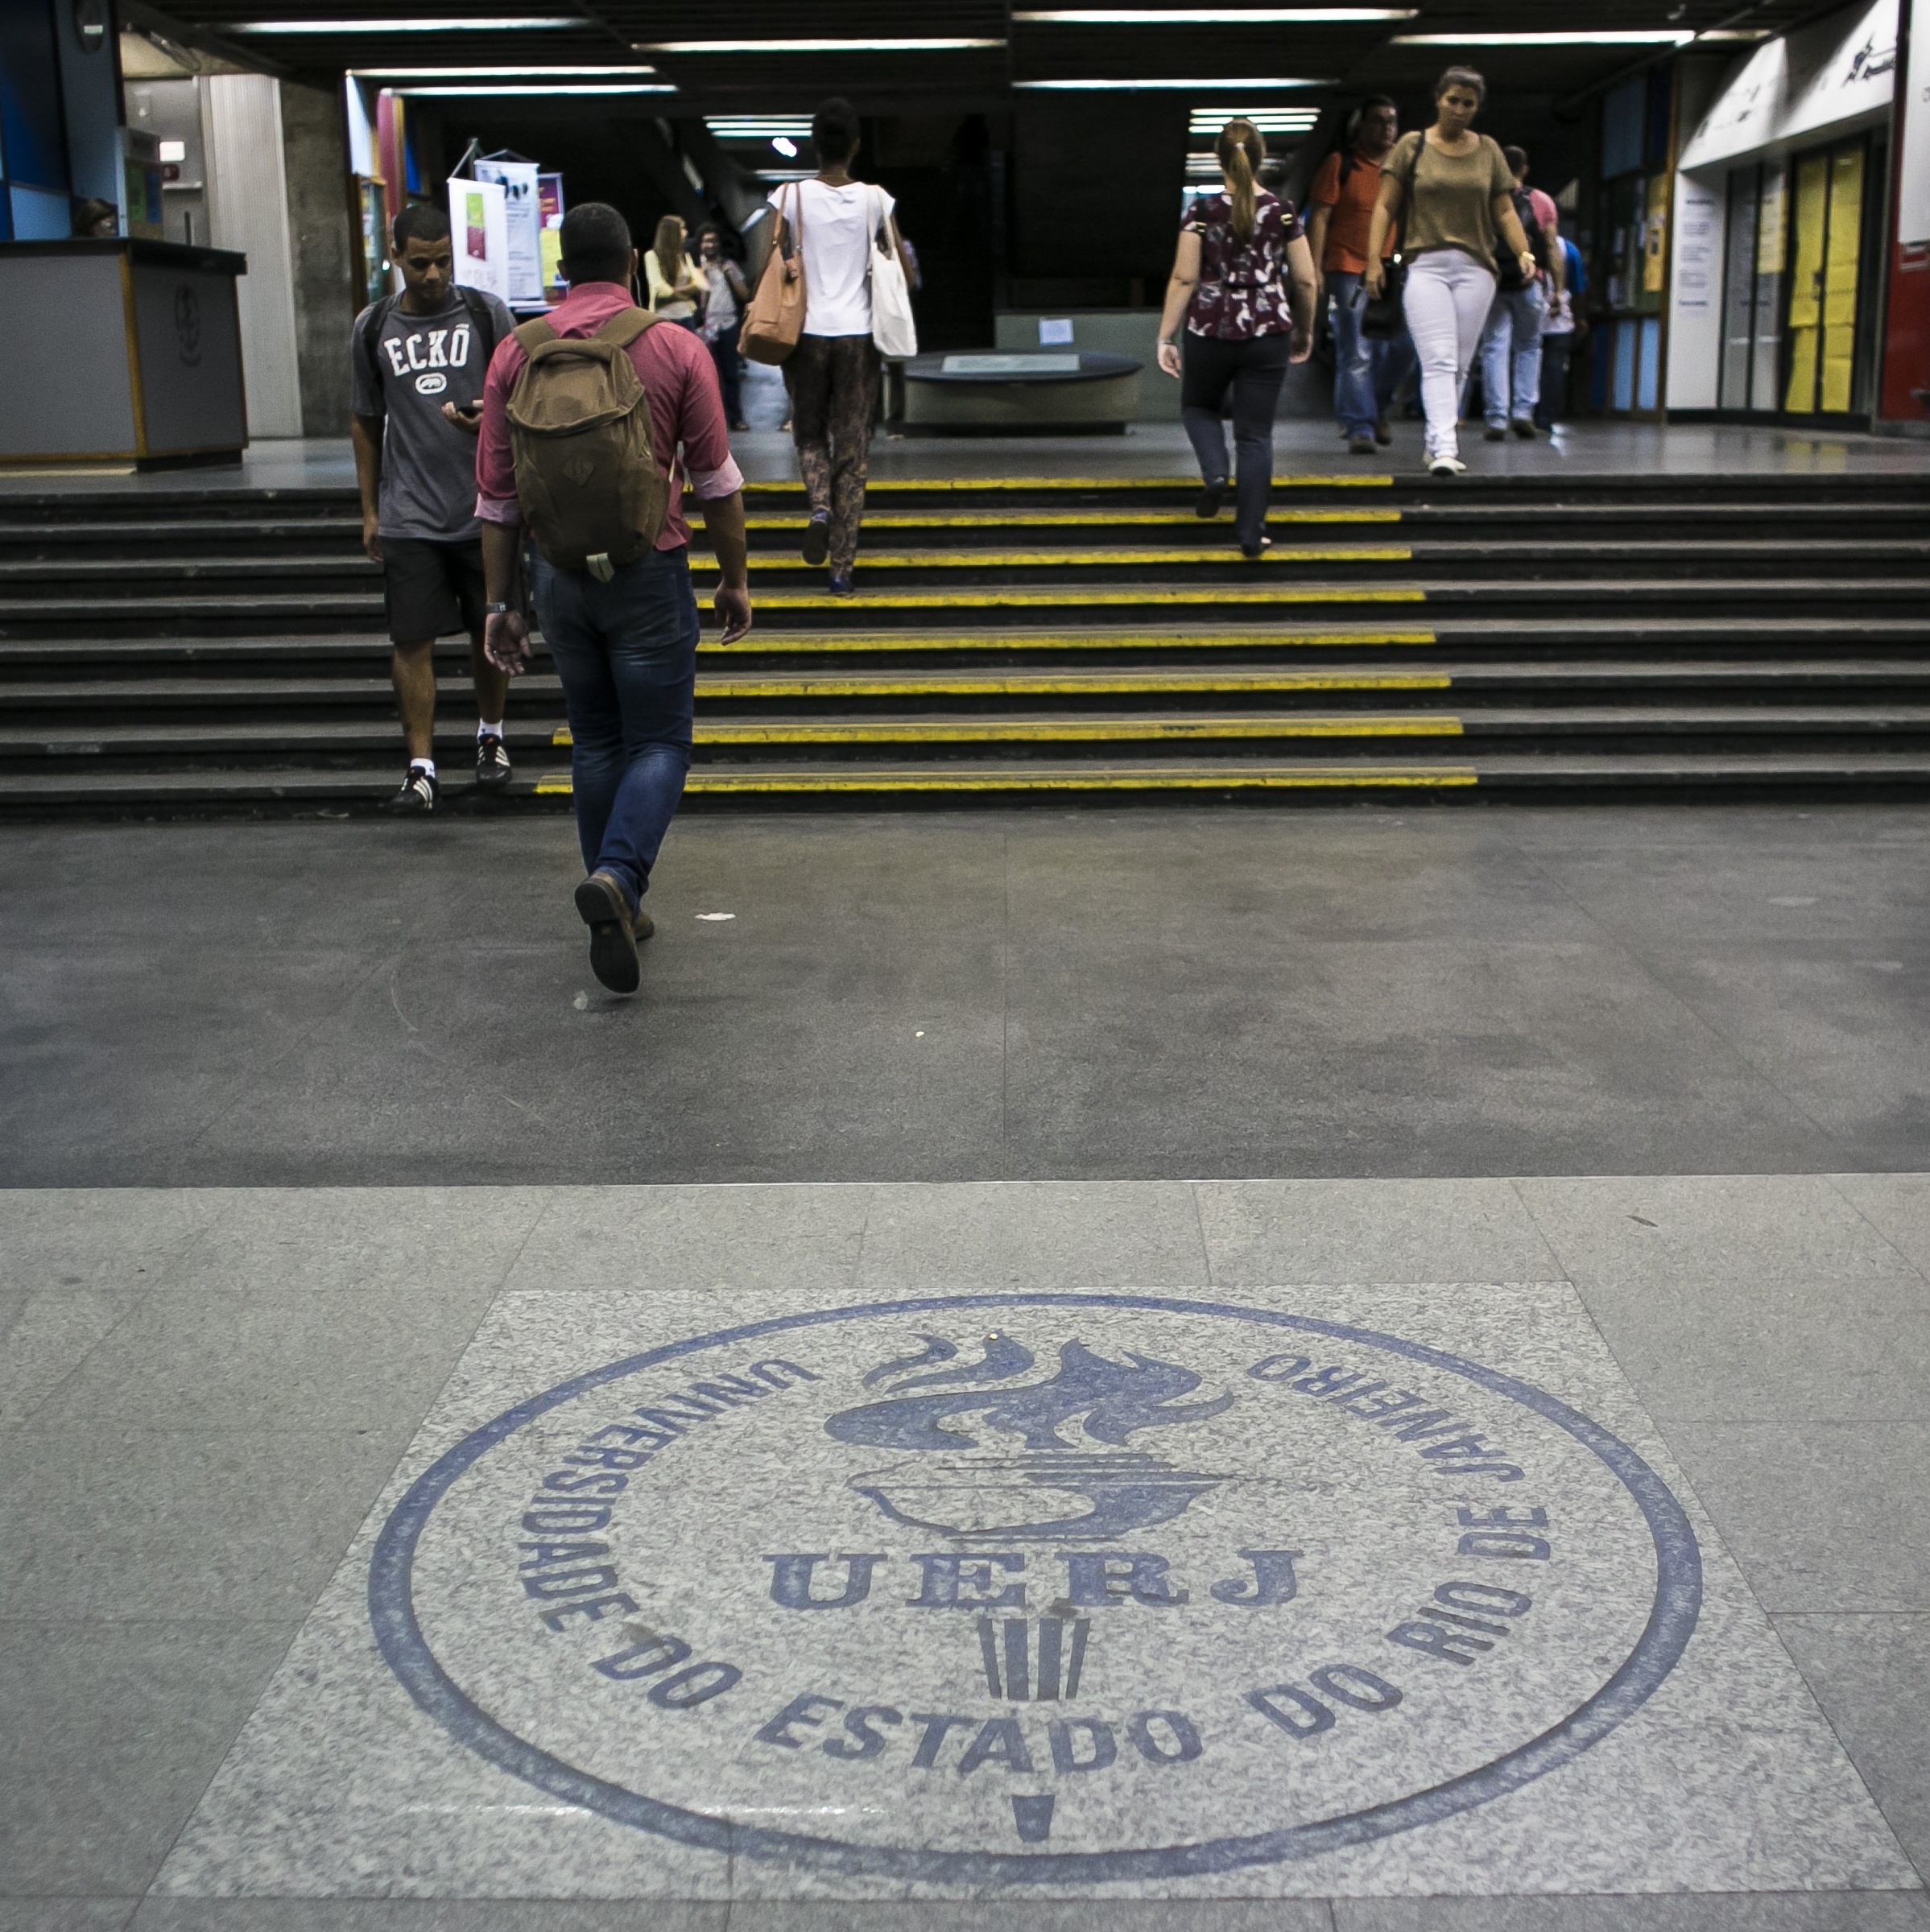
<point>498,73</point>
<point>521,24</point>
<point>1192,84</point>
<point>537,90</point>
<point>847,47</point>
<point>1617,37</point>
<point>1229,16</point>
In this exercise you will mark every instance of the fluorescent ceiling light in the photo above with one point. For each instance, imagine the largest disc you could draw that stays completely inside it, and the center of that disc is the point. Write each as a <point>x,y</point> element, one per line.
<point>1191,84</point>
<point>522,23</point>
<point>488,73</point>
<point>537,90</point>
<point>1210,120</point>
<point>757,127</point>
<point>1211,16</point>
<point>1643,36</point>
<point>808,47</point>
<point>785,146</point>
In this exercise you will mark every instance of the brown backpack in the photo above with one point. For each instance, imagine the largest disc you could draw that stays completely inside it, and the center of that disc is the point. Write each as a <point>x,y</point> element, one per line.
<point>586,466</point>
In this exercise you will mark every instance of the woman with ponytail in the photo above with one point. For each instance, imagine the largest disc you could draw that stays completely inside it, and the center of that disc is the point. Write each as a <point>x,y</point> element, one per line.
<point>1243,285</point>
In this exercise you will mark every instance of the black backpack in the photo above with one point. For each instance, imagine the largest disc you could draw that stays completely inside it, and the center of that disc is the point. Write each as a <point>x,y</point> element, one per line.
<point>1508,268</point>
<point>482,325</point>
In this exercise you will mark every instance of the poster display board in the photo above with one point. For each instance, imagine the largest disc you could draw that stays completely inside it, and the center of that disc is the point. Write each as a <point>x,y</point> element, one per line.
<point>523,225</point>
<point>549,202</point>
<point>479,226</point>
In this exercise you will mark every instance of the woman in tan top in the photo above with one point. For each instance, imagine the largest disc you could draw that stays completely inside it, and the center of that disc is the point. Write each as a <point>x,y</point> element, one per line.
<point>677,287</point>
<point>1452,191</point>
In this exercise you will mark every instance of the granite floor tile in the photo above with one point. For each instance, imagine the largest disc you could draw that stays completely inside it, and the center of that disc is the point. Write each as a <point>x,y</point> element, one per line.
<point>111,1524</point>
<point>1115,1914</point>
<point>104,1239</point>
<point>1639,1911</point>
<point>330,1359</point>
<point>1771,1349</point>
<point>426,1915</point>
<point>1261,1232</point>
<point>45,1333</point>
<point>1033,1234</point>
<point>1686,1230</point>
<point>113,1730</point>
<point>407,1239</point>
<point>1871,1675</point>
<point>807,1237</point>
<point>1821,1516</point>
<point>1896,1205</point>
<point>66,1914</point>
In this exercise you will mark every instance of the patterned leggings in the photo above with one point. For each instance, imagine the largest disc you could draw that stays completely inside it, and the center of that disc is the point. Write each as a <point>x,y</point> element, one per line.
<point>833,385</point>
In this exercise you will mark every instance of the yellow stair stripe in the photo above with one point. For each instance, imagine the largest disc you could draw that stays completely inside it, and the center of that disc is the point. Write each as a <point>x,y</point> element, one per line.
<point>1083,684</point>
<point>976,598</point>
<point>803,644</point>
<point>1072,730</point>
<point>1067,519</point>
<point>1099,778</point>
<point>968,730</point>
<point>965,485</point>
<point>1094,558</point>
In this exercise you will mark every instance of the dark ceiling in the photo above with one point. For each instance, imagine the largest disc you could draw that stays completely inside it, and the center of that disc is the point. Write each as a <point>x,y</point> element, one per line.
<point>1344,57</point>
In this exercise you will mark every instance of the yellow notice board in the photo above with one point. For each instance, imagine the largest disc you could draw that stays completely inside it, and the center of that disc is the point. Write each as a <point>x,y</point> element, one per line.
<point>1655,240</point>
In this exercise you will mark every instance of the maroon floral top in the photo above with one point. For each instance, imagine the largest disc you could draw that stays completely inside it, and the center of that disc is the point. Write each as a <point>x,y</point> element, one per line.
<point>1241,292</point>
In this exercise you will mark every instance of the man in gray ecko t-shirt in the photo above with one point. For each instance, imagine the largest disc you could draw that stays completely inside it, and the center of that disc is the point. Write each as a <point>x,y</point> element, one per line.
<point>417,364</point>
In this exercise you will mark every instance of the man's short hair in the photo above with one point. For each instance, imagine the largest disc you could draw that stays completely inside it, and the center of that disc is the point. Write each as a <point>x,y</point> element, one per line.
<point>421,221</point>
<point>1517,159</point>
<point>595,244</point>
<point>834,131</point>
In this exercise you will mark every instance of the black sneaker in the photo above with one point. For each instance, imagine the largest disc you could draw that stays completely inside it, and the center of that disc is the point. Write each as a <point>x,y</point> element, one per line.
<point>1254,551</point>
<point>493,767</point>
<point>418,792</point>
<point>1383,431</point>
<point>1211,498</point>
<point>612,937</point>
<point>839,584</point>
<point>817,538</point>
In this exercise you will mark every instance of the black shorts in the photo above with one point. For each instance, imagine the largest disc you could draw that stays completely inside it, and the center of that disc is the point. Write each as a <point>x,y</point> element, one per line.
<point>434,590</point>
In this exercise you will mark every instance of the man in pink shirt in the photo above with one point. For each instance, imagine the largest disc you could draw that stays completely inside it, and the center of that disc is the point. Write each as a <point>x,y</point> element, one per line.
<point>626,649</point>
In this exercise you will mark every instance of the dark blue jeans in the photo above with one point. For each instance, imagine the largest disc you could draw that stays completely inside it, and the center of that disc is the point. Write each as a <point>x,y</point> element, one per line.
<point>627,652</point>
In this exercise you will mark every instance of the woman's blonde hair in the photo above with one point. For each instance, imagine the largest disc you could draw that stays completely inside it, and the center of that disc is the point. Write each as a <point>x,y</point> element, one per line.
<point>1242,154</point>
<point>669,244</point>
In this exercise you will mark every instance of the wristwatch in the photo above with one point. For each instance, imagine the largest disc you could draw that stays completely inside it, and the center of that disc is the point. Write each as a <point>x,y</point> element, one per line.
<point>498,610</point>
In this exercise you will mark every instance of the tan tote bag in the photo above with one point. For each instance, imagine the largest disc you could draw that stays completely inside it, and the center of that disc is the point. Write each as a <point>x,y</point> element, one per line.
<point>775,318</point>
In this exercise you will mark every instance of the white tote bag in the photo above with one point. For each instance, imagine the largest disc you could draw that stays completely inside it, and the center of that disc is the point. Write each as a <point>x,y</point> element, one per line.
<point>892,328</point>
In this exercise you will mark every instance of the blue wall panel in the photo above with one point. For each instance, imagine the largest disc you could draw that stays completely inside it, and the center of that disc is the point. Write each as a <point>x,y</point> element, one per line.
<point>30,96</point>
<point>40,214</point>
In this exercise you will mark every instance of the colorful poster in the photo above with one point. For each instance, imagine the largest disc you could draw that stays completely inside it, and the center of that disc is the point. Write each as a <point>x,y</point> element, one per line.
<point>549,205</point>
<point>523,222</point>
<point>479,224</point>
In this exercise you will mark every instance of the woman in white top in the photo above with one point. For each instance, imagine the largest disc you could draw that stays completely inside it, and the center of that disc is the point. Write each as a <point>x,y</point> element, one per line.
<point>832,373</point>
<point>676,283</point>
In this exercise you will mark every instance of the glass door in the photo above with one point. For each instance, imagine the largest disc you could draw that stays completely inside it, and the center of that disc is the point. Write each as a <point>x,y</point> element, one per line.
<point>1739,289</point>
<point>1809,233</point>
<point>1825,285</point>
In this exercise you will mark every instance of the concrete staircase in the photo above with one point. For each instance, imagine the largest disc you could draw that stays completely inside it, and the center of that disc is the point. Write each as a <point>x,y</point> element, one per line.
<point>213,650</point>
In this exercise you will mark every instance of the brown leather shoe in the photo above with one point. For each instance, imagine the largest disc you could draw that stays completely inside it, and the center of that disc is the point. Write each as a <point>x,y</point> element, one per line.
<point>642,926</point>
<point>613,938</point>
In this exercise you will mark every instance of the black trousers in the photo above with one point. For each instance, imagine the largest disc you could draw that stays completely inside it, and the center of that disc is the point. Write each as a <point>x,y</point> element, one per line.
<point>1254,370</point>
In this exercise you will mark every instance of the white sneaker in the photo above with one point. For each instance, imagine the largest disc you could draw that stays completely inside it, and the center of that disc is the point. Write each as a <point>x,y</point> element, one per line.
<point>1446,466</point>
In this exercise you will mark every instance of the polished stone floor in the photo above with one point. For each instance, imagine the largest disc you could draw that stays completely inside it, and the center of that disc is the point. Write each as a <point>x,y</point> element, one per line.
<point>1024,995</point>
<point>1529,1552</point>
<point>1301,445</point>
<point>1351,1371</point>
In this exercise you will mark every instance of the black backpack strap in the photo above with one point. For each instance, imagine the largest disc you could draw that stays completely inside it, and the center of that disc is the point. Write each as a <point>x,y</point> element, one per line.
<point>482,319</point>
<point>371,339</point>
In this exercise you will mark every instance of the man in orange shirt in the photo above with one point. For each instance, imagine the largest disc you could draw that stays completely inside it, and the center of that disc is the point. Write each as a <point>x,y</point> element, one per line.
<point>1367,371</point>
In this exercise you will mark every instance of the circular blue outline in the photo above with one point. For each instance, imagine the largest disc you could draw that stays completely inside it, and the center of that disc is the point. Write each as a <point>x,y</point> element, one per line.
<point>1671,1620</point>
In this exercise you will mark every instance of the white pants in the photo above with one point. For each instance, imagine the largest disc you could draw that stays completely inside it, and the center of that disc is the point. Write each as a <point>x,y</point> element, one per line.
<point>1447,297</point>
